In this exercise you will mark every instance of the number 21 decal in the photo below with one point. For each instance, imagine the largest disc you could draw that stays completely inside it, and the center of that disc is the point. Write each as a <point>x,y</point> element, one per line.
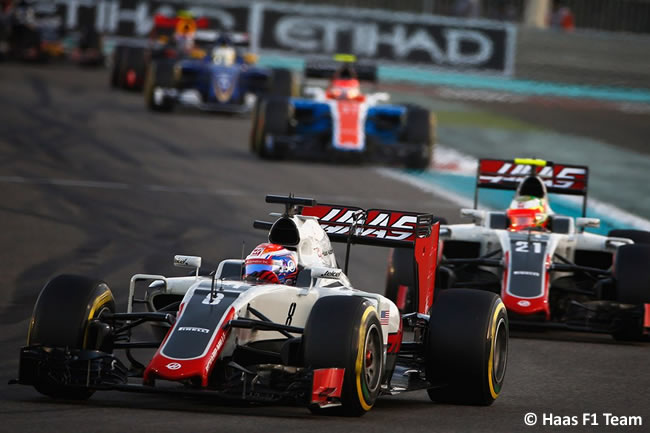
<point>522,247</point>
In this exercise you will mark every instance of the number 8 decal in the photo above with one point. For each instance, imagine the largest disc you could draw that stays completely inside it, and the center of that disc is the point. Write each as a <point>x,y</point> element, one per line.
<point>292,309</point>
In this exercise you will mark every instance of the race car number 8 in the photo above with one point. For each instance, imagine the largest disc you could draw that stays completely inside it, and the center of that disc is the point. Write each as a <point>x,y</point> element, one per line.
<point>522,247</point>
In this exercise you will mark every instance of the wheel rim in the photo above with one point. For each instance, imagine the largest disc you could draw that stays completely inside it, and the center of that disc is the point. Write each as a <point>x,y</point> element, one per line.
<point>372,359</point>
<point>500,351</point>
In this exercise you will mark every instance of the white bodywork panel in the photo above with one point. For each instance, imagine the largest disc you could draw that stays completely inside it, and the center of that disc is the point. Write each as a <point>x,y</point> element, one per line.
<point>315,255</point>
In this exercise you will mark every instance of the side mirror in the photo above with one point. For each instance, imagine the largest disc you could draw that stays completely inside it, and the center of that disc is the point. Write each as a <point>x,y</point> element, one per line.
<point>582,223</point>
<point>314,92</point>
<point>381,97</point>
<point>477,215</point>
<point>250,58</point>
<point>193,262</point>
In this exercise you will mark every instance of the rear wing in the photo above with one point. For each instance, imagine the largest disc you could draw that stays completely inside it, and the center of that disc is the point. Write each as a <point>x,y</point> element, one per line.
<point>375,227</point>
<point>379,227</point>
<point>327,69</point>
<point>166,25</point>
<point>567,179</point>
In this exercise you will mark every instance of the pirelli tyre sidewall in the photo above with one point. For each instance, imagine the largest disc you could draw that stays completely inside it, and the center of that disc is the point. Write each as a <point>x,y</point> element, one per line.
<point>467,347</point>
<point>345,332</point>
<point>60,319</point>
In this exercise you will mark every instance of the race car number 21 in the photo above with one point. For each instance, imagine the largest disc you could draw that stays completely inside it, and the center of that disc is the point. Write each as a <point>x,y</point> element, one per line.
<point>523,247</point>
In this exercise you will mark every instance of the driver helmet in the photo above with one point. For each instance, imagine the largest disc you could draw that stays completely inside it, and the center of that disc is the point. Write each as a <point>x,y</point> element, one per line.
<point>271,264</point>
<point>224,55</point>
<point>344,89</point>
<point>527,211</point>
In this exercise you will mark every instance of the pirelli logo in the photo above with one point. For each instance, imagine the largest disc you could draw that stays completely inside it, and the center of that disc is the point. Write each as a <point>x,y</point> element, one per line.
<point>193,329</point>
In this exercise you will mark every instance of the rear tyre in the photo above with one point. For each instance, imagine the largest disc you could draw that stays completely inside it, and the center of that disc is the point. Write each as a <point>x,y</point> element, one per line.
<point>257,119</point>
<point>275,123</point>
<point>283,83</point>
<point>160,76</point>
<point>418,135</point>
<point>638,236</point>
<point>116,67</point>
<point>61,315</point>
<point>467,347</point>
<point>632,274</point>
<point>344,332</point>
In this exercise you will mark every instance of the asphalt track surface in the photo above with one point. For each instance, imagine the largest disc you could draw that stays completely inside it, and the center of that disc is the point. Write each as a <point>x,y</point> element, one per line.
<point>92,183</point>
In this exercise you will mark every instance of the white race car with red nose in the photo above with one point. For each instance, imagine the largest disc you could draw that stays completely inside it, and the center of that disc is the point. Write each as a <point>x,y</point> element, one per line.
<point>313,340</point>
<point>548,270</point>
<point>340,122</point>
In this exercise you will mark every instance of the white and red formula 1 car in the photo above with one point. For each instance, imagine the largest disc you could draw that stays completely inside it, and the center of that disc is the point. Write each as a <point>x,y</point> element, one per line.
<point>548,270</point>
<point>319,342</point>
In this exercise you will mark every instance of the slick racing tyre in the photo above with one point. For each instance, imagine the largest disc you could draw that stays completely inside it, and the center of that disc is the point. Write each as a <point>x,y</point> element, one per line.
<point>466,347</point>
<point>257,118</point>
<point>632,274</point>
<point>344,332</point>
<point>61,315</point>
<point>632,277</point>
<point>283,82</point>
<point>418,134</point>
<point>274,121</point>
<point>159,77</point>
<point>638,236</point>
<point>116,67</point>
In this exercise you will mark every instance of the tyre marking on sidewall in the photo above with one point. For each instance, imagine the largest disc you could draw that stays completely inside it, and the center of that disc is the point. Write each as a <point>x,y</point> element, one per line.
<point>98,303</point>
<point>360,358</point>
<point>493,391</point>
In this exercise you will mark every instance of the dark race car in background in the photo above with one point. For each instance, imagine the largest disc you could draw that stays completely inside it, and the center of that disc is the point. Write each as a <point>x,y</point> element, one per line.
<point>557,276</point>
<point>171,38</point>
<point>342,123</point>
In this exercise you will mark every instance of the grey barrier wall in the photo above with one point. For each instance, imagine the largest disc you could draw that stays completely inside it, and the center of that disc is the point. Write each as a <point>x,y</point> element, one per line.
<point>312,30</point>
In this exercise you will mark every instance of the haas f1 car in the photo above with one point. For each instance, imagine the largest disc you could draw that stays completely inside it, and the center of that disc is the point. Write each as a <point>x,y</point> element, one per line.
<point>340,122</point>
<point>315,341</point>
<point>547,269</point>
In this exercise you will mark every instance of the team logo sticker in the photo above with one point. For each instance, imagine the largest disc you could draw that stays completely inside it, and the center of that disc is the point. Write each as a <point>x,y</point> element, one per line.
<point>173,366</point>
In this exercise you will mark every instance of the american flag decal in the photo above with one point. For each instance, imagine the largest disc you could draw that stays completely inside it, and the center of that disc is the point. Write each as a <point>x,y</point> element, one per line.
<point>384,316</point>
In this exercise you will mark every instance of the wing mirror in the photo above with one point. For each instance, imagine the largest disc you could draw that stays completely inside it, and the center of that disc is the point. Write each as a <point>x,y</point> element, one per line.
<point>583,223</point>
<point>193,262</point>
<point>477,215</point>
<point>381,97</point>
<point>314,92</point>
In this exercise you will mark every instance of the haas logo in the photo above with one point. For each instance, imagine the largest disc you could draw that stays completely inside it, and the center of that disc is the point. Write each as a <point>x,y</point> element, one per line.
<point>383,225</point>
<point>173,366</point>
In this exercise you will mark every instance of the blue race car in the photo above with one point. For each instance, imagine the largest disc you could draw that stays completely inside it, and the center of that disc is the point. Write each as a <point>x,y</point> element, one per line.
<point>341,123</point>
<point>224,80</point>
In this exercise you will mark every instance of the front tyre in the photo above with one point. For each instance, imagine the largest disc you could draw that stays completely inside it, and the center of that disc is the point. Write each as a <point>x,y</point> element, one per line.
<point>344,332</point>
<point>467,347</point>
<point>63,310</point>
